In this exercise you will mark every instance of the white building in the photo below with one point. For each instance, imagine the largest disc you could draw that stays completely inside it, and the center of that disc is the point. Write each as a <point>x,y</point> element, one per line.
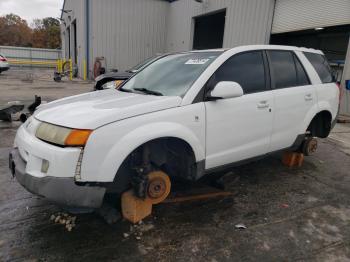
<point>126,32</point>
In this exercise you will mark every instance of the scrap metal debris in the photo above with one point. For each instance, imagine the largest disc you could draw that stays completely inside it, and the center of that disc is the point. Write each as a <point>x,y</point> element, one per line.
<point>284,205</point>
<point>37,102</point>
<point>64,219</point>
<point>16,110</point>
<point>240,226</point>
<point>9,109</point>
<point>138,230</point>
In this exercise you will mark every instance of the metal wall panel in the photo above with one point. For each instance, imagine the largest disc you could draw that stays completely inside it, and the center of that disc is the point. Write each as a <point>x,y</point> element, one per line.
<point>345,103</point>
<point>247,21</point>
<point>126,32</point>
<point>27,53</point>
<point>76,11</point>
<point>307,14</point>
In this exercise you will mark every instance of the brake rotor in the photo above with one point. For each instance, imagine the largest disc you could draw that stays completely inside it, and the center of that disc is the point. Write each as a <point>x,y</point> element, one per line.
<point>158,187</point>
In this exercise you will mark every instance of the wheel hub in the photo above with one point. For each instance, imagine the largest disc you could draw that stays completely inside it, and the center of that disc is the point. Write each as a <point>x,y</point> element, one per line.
<point>156,188</point>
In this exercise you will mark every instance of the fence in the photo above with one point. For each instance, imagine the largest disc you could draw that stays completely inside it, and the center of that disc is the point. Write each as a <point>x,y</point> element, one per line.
<point>32,57</point>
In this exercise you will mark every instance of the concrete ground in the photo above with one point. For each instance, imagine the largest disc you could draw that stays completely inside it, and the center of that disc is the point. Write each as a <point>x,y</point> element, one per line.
<point>290,214</point>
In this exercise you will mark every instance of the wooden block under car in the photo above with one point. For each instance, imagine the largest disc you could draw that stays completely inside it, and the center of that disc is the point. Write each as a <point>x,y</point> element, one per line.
<point>293,159</point>
<point>135,209</point>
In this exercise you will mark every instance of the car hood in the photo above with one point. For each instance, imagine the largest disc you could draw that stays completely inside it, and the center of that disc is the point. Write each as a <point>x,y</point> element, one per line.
<point>95,109</point>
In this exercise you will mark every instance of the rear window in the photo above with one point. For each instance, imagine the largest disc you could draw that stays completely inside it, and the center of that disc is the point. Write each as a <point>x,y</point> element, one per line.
<point>302,77</point>
<point>321,66</point>
<point>283,67</point>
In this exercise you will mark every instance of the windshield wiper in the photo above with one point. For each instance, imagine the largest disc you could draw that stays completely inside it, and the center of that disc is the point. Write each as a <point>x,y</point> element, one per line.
<point>149,92</point>
<point>124,90</point>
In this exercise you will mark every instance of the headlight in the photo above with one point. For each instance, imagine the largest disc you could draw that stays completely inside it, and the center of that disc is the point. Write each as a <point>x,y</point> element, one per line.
<point>112,84</point>
<point>62,135</point>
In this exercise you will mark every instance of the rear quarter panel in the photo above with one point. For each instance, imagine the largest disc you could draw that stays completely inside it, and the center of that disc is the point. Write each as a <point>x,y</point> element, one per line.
<point>327,94</point>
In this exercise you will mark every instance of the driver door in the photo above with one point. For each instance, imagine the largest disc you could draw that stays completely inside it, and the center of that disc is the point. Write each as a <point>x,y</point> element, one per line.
<point>240,128</point>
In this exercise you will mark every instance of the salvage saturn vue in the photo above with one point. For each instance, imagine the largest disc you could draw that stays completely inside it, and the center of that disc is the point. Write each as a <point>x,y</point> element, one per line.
<point>186,115</point>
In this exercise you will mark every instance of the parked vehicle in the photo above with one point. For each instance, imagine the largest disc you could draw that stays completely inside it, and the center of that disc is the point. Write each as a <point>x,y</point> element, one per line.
<point>113,80</point>
<point>186,115</point>
<point>4,65</point>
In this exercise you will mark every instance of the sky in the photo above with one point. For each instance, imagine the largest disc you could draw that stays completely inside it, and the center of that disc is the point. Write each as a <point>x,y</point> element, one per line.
<point>31,9</point>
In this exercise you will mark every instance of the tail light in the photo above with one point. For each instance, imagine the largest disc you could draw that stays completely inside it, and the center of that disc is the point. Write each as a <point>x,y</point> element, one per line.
<point>2,59</point>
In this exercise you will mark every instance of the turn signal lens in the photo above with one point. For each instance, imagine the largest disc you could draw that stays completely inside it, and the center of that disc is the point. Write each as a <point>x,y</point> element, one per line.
<point>77,137</point>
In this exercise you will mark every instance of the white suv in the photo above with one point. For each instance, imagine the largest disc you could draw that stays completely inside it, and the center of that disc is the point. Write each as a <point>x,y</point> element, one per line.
<point>4,65</point>
<point>187,114</point>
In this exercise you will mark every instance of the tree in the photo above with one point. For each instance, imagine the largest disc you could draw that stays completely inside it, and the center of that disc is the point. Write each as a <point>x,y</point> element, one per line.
<point>14,31</point>
<point>45,33</point>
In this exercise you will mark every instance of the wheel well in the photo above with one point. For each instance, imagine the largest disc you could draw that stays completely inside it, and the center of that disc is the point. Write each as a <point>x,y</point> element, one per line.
<point>320,125</point>
<point>172,155</point>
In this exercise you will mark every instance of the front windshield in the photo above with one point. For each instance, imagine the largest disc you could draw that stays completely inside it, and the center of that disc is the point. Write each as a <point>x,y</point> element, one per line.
<point>171,75</point>
<point>142,64</point>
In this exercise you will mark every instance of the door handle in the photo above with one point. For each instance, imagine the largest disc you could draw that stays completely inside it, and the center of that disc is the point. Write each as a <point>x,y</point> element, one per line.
<point>308,97</point>
<point>263,104</point>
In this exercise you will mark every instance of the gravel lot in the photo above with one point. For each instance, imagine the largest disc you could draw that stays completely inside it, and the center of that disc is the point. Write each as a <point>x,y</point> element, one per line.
<point>290,214</point>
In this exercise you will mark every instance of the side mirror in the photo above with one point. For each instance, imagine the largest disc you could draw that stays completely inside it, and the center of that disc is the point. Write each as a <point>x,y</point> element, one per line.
<point>225,89</point>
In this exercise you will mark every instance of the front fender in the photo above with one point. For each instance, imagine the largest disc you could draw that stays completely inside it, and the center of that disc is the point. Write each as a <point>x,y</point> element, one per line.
<point>143,134</point>
<point>111,144</point>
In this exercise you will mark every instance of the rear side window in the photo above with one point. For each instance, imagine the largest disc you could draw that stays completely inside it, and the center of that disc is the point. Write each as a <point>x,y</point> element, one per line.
<point>302,77</point>
<point>321,66</point>
<point>247,69</point>
<point>283,68</point>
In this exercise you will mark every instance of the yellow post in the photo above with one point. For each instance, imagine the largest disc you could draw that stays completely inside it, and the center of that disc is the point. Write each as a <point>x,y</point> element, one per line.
<point>70,69</point>
<point>59,66</point>
<point>63,62</point>
<point>84,68</point>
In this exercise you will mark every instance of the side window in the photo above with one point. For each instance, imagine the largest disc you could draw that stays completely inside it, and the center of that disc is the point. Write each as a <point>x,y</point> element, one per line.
<point>247,69</point>
<point>321,66</point>
<point>302,77</point>
<point>283,67</point>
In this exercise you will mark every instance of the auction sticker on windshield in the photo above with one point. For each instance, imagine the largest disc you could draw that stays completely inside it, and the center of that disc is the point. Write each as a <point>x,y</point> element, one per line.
<point>196,61</point>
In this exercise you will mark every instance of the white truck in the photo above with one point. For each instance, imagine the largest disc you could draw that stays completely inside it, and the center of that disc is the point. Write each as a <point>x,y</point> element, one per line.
<point>187,115</point>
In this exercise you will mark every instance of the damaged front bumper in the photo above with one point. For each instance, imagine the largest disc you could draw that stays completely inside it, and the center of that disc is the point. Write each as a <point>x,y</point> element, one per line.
<point>61,190</point>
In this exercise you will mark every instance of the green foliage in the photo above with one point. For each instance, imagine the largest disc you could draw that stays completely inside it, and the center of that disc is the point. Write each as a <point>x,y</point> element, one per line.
<point>44,33</point>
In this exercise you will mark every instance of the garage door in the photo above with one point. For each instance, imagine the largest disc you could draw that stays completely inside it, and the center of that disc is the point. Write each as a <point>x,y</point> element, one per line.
<point>295,15</point>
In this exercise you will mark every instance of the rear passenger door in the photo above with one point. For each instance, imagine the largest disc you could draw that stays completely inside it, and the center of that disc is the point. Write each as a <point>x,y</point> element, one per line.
<point>239,128</point>
<point>293,94</point>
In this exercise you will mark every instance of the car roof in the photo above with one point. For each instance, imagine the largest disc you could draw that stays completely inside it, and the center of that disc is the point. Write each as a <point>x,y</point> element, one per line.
<point>262,47</point>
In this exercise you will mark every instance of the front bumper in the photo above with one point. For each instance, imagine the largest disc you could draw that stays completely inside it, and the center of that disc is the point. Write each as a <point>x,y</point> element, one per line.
<point>61,190</point>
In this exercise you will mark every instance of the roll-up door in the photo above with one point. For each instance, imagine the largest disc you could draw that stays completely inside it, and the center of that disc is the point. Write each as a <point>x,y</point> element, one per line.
<point>296,15</point>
